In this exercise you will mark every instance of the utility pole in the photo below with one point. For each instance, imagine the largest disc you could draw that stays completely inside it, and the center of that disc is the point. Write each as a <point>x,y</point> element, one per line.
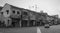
<point>21,18</point>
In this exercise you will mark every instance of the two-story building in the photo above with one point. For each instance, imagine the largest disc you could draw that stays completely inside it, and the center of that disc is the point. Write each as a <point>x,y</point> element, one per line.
<point>20,17</point>
<point>16,16</point>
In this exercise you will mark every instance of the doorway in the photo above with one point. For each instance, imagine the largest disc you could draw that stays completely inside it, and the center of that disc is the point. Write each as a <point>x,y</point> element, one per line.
<point>15,22</point>
<point>24,23</point>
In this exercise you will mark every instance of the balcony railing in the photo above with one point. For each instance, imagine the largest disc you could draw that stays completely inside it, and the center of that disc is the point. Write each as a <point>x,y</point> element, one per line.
<point>15,16</point>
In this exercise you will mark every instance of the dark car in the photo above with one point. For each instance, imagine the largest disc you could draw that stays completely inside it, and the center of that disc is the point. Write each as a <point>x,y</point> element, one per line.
<point>46,26</point>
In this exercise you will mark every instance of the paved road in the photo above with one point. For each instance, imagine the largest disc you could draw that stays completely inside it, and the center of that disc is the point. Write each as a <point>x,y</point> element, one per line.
<point>19,30</point>
<point>52,29</point>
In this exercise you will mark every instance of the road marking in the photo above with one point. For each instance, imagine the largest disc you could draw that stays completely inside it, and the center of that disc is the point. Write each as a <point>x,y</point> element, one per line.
<point>38,30</point>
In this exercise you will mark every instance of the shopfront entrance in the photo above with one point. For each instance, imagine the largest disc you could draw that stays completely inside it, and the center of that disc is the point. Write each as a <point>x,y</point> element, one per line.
<point>15,22</point>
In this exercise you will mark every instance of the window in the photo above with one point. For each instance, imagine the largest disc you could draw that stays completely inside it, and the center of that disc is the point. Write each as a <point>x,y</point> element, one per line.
<point>2,13</point>
<point>25,13</point>
<point>18,12</point>
<point>7,11</point>
<point>13,11</point>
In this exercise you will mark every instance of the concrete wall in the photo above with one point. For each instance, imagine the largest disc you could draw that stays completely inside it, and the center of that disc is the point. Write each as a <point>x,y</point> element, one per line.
<point>4,9</point>
<point>5,17</point>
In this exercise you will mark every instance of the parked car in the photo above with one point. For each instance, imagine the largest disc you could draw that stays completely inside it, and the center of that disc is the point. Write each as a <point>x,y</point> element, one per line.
<point>46,26</point>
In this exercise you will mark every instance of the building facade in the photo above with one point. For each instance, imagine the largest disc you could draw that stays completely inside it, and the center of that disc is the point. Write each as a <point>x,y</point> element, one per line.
<point>17,16</point>
<point>20,17</point>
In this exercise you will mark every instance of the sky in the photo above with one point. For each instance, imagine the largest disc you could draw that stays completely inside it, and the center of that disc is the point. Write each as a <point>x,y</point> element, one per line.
<point>52,7</point>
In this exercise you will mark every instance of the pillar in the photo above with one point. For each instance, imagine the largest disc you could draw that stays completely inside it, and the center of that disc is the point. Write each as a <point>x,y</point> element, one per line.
<point>28,23</point>
<point>40,23</point>
<point>36,23</point>
<point>20,23</point>
<point>33,23</point>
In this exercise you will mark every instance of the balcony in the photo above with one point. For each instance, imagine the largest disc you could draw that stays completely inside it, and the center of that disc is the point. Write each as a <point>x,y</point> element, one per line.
<point>25,17</point>
<point>15,16</point>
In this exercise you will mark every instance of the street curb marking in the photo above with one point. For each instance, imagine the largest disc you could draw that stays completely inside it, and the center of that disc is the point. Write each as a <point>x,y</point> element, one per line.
<point>38,30</point>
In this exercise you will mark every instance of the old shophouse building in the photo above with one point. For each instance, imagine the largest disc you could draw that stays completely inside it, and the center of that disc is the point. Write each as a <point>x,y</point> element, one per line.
<point>16,16</point>
<point>20,17</point>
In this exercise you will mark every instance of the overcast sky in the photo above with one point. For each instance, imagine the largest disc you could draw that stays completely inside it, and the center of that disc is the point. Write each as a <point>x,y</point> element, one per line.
<point>52,7</point>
